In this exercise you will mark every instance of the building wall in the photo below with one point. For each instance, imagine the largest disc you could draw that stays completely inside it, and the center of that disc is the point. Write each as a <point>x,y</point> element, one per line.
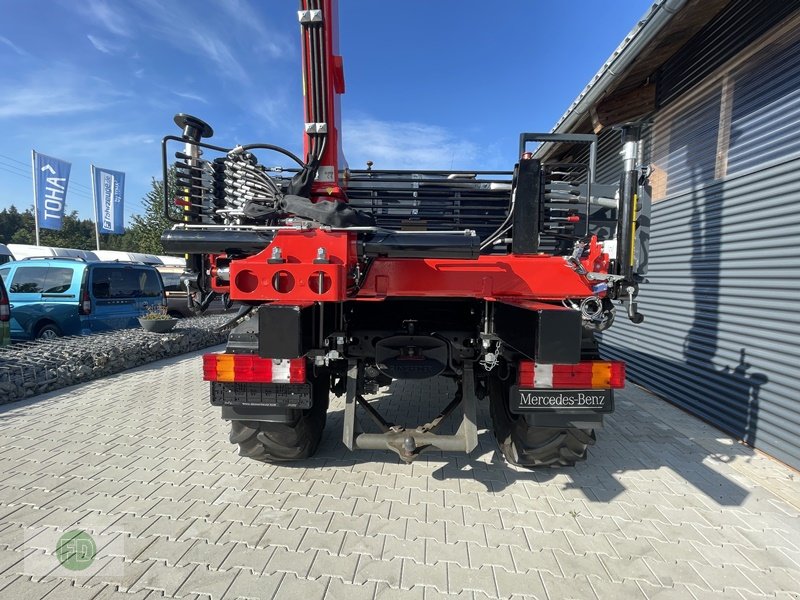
<point>722,332</point>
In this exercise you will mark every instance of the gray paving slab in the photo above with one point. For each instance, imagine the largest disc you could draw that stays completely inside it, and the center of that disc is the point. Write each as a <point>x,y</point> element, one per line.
<point>665,507</point>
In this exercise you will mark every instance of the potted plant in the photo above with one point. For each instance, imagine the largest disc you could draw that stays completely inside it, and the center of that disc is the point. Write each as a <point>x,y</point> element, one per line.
<point>156,319</point>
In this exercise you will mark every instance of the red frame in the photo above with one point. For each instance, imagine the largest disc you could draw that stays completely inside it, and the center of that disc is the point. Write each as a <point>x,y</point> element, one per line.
<point>490,277</point>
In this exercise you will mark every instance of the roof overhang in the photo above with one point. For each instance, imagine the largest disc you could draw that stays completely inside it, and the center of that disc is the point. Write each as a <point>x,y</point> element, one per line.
<point>624,89</point>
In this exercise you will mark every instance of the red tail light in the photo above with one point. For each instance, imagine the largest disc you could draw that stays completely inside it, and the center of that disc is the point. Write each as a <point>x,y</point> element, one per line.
<point>589,374</point>
<point>5,309</point>
<point>85,307</point>
<point>250,368</point>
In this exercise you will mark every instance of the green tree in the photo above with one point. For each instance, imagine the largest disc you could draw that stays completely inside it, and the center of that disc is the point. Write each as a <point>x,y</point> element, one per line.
<point>11,221</point>
<point>19,228</point>
<point>146,229</point>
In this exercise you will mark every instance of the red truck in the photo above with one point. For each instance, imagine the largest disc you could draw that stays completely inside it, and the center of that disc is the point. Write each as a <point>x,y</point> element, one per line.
<point>349,279</point>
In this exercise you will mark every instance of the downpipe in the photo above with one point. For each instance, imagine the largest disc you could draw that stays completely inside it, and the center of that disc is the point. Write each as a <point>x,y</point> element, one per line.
<point>626,220</point>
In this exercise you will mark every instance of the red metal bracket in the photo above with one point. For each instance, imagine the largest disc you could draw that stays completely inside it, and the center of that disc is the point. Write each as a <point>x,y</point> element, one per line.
<point>297,266</point>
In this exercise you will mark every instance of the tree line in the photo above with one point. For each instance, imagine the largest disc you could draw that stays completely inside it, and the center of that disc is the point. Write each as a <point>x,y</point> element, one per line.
<point>143,234</point>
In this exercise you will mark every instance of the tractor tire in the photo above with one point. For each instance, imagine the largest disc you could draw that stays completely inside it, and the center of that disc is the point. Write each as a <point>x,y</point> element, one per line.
<point>280,442</point>
<point>524,445</point>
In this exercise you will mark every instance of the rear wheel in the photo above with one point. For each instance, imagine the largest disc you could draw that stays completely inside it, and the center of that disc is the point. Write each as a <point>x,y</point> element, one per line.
<point>528,446</point>
<point>48,331</point>
<point>277,442</point>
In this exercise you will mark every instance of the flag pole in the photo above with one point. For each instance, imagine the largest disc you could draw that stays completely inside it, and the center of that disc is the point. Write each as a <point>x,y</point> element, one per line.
<point>94,205</point>
<point>35,196</point>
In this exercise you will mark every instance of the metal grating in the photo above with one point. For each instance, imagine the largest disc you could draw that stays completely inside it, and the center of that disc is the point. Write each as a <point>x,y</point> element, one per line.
<point>434,200</point>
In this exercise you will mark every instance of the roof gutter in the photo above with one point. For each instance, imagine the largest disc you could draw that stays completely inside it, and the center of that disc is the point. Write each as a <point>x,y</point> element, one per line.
<point>642,34</point>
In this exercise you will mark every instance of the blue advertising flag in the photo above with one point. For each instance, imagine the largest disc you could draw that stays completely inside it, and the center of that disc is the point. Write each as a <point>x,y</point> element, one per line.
<point>109,198</point>
<point>50,179</point>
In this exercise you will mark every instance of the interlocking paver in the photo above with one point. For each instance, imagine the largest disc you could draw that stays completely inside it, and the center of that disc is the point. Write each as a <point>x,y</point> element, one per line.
<point>385,571</point>
<point>568,588</point>
<point>208,583</point>
<point>401,548</point>
<point>371,547</point>
<point>541,560</point>
<point>496,557</point>
<point>287,561</point>
<point>526,585</point>
<point>347,591</point>
<point>255,587</point>
<point>653,513</point>
<point>326,565</point>
<point>24,588</point>
<point>415,574</point>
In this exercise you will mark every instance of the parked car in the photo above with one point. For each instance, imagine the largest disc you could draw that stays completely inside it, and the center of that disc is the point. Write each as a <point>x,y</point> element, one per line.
<point>177,297</point>
<point>5,254</point>
<point>23,251</point>
<point>51,297</point>
<point>5,316</point>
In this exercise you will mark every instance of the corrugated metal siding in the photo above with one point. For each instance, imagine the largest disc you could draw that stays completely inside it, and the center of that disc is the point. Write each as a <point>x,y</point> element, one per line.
<point>765,114</point>
<point>722,334</point>
<point>738,26</point>
<point>609,161</point>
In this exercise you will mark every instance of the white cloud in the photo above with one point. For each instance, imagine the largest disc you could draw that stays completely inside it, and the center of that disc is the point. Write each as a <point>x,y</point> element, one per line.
<point>235,38</point>
<point>13,46</point>
<point>55,91</point>
<point>204,43</point>
<point>109,17</point>
<point>405,145</point>
<point>41,100</point>
<point>266,42</point>
<point>87,141</point>
<point>188,96</point>
<point>103,45</point>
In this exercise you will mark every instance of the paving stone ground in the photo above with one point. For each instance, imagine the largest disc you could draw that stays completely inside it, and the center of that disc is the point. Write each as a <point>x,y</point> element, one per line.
<point>665,507</point>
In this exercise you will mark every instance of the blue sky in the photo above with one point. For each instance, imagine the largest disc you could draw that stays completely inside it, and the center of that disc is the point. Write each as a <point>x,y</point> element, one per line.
<point>430,84</point>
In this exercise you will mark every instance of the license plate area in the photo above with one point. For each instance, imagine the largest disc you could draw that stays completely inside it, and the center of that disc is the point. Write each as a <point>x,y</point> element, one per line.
<point>542,400</point>
<point>268,395</point>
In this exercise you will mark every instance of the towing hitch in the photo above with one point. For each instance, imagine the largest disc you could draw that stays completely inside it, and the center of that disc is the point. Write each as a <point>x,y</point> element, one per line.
<point>409,443</point>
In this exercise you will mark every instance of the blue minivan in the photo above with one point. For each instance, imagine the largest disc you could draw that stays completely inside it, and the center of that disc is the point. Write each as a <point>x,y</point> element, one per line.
<point>50,297</point>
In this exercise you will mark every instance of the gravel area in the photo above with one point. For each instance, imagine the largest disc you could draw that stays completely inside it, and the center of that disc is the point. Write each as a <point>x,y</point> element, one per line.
<point>31,368</point>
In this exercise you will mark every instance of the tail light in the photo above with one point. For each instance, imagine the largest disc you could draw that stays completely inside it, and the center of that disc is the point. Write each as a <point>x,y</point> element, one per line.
<point>589,374</point>
<point>85,306</point>
<point>251,368</point>
<point>5,309</point>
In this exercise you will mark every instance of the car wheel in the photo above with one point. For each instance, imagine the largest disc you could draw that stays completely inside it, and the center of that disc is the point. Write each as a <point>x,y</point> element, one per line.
<point>48,332</point>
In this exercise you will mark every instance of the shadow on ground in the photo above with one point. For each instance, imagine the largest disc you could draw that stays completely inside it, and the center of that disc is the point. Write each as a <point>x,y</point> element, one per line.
<point>633,443</point>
